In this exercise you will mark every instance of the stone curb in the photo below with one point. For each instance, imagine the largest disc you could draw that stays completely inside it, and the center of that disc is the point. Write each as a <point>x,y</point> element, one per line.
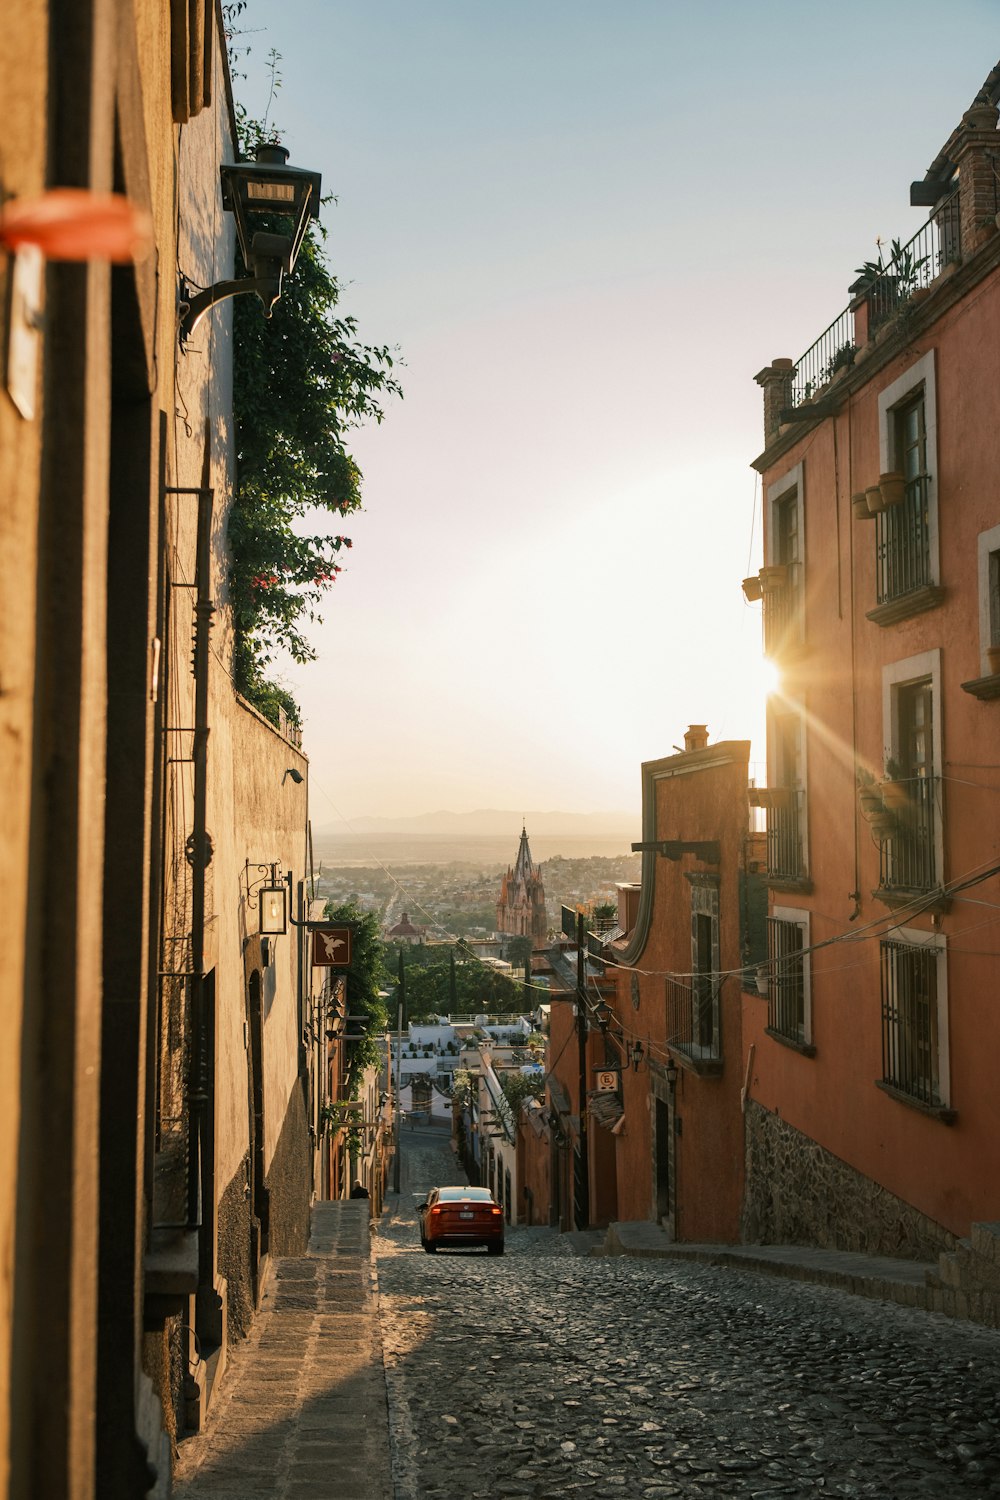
<point>907,1283</point>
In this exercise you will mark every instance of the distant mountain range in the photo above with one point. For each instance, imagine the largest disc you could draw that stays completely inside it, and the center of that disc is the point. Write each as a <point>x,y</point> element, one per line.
<point>491,822</point>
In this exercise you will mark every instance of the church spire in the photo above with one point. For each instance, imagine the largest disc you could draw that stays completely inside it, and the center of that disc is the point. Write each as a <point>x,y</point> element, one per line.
<point>524,868</point>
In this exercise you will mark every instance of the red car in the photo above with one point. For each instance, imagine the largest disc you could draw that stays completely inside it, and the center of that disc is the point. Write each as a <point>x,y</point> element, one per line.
<point>461,1216</point>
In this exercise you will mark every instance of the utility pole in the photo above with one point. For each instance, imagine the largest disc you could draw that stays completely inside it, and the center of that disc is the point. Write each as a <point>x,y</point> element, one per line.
<point>581,1170</point>
<point>400,1012</point>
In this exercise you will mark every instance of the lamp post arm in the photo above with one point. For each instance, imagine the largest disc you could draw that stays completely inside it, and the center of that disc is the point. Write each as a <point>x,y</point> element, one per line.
<point>193,309</point>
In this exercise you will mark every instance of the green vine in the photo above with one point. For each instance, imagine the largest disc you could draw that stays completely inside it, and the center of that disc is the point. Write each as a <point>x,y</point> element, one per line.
<point>365,979</point>
<point>302,381</point>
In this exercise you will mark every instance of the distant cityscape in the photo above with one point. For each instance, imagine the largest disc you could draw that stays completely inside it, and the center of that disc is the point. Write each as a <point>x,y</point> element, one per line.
<point>455,897</point>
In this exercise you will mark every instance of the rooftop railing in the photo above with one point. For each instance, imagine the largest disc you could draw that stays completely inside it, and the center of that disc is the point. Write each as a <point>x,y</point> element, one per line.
<point>912,269</point>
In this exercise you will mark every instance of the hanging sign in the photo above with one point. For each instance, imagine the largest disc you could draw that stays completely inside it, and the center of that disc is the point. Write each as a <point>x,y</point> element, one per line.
<point>331,947</point>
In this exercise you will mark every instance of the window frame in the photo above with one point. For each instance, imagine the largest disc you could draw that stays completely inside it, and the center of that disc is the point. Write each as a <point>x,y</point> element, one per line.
<point>777,772</point>
<point>987,547</point>
<point>794,916</point>
<point>705,905</point>
<point>898,675</point>
<point>936,943</point>
<point>890,402</point>
<point>779,495</point>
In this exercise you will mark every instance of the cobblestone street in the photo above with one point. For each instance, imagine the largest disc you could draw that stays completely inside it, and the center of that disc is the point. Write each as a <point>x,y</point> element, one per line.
<point>545,1374</point>
<point>548,1373</point>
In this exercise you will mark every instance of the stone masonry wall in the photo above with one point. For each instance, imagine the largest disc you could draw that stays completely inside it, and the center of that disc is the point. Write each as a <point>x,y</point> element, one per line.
<point>234,1252</point>
<point>289,1182</point>
<point>799,1194</point>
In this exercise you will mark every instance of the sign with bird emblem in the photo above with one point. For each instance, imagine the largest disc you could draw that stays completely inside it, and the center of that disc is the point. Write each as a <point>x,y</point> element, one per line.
<point>331,947</point>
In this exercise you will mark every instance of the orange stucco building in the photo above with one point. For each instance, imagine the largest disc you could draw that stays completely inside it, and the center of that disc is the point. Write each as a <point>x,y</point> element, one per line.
<point>678,972</point>
<point>873,1117</point>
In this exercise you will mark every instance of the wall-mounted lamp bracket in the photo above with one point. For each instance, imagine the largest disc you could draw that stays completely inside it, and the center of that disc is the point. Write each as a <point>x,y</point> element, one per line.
<point>192,306</point>
<point>272,204</point>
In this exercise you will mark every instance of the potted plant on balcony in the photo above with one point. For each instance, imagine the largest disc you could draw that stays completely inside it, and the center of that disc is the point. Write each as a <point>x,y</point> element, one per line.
<point>882,823</point>
<point>869,795</point>
<point>752,588</point>
<point>895,790</point>
<point>859,506</point>
<point>773,798</point>
<point>873,495</point>
<point>893,488</point>
<point>993,660</point>
<point>773,576</point>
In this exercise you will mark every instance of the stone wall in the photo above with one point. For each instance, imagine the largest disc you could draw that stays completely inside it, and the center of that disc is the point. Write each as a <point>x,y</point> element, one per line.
<point>799,1194</point>
<point>234,1252</point>
<point>289,1181</point>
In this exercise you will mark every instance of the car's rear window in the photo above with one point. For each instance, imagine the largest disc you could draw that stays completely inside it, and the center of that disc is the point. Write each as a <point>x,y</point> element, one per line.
<point>465,1194</point>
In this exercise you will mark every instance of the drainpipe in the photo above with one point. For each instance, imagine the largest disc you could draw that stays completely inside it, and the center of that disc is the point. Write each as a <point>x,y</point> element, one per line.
<point>199,852</point>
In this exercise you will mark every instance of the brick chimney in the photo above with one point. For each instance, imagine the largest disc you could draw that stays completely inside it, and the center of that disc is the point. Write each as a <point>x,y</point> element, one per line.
<point>696,737</point>
<point>776,378</point>
<point>977,156</point>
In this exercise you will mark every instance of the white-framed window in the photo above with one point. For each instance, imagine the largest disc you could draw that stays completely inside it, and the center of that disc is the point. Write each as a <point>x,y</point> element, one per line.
<point>988,548</point>
<point>693,1017</point>
<point>784,600</point>
<point>789,992</point>
<point>907,543</point>
<point>914,994</point>
<point>911,722</point>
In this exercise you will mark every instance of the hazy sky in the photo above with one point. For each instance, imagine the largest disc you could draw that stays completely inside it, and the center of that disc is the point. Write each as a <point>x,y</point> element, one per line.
<point>586,224</point>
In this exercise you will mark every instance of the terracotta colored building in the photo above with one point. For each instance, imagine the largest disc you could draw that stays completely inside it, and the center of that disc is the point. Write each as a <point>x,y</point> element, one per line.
<point>154,1147</point>
<point>873,1116</point>
<point>678,972</point>
<point>521,904</point>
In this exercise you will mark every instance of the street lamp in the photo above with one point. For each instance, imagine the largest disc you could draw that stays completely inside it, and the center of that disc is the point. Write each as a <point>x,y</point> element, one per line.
<point>272,204</point>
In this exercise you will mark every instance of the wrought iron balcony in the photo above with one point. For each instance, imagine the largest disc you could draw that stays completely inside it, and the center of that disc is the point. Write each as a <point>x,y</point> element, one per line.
<point>785,855</point>
<point>782,600</point>
<point>935,245</point>
<point>902,544</point>
<point>693,1016</point>
<point>907,860</point>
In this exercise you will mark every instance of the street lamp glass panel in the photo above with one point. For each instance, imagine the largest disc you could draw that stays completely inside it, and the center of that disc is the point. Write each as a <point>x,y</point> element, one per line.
<point>273,910</point>
<point>271,192</point>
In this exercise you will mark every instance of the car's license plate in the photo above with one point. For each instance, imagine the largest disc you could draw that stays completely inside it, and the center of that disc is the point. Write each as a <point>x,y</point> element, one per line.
<point>466,1216</point>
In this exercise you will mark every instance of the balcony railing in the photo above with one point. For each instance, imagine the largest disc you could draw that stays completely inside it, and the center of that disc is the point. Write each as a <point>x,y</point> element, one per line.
<point>907,860</point>
<point>902,544</point>
<point>782,611</point>
<point>935,245</point>
<point>785,859</point>
<point>693,1015</point>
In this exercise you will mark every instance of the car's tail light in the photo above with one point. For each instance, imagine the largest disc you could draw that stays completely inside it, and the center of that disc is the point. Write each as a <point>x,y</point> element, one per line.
<point>496,1210</point>
<point>435,1210</point>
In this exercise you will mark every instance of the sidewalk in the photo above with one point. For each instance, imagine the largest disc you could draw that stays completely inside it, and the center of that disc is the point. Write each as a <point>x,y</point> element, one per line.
<point>302,1412</point>
<point>878,1276</point>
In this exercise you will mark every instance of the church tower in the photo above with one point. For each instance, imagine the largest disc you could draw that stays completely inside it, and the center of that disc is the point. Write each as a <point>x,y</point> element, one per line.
<point>521,905</point>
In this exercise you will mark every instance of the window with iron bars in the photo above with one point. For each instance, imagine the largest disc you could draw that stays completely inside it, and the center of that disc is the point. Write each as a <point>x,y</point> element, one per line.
<point>902,532</point>
<point>786,988</point>
<point>910,1041</point>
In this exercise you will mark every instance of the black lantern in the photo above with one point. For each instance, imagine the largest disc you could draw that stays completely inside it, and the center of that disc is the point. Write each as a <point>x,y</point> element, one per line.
<point>272,204</point>
<point>273,909</point>
<point>269,893</point>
